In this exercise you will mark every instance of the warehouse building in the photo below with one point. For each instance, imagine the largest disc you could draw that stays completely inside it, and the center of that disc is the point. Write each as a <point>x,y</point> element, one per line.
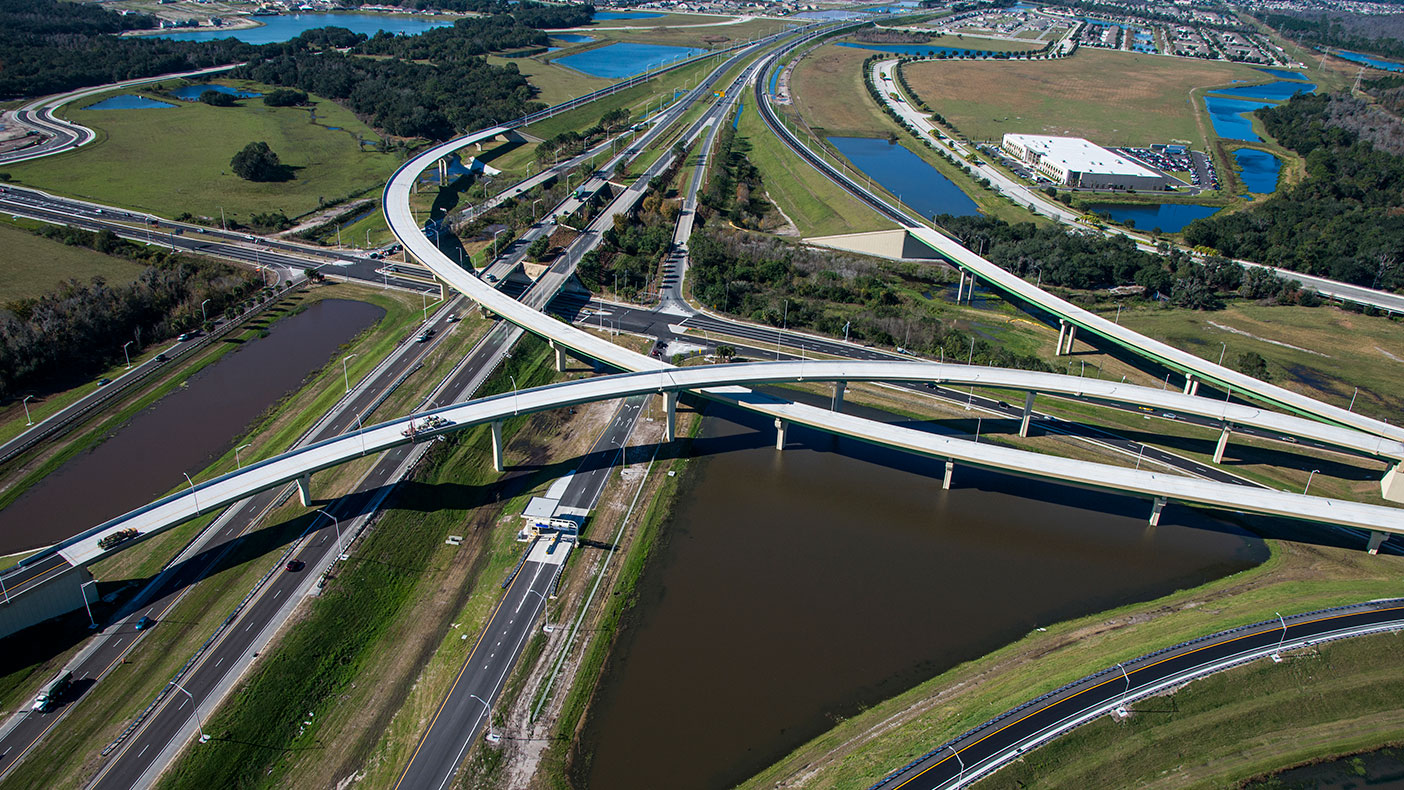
<point>1075,162</point>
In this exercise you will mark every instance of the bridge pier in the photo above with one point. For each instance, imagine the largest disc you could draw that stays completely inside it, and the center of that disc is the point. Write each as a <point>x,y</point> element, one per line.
<point>960,289</point>
<point>1392,484</point>
<point>443,173</point>
<point>560,357</point>
<point>497,446</point>
<point>1156,509</point>
<point>1376,538</point>
<point>950,470</point>
<point>781,428</point>
<point>1072,335</point>
<point>839,387</point>
<point>670,418</point>
<point>304,490</point>
<point>1062,331</point>
<point>1223,443</point>
<point>1028,414</point>
<point>1191,386</point>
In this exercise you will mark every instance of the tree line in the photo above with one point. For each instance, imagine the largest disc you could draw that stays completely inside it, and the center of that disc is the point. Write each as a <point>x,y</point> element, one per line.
<point>78,329</point>
<point>1344,221</point>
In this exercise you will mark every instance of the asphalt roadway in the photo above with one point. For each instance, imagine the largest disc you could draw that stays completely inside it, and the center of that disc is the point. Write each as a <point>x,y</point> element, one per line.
<point>201,558</point>
<point>1004,738</point>
<point>464,711</point>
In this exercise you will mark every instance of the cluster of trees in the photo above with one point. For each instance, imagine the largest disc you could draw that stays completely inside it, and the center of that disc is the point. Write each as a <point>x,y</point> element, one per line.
<point>257,162</point>
<point>52,46</point>
<point>285,97</point>
<point>570,142</point>
<point>78,329</point>
<point>771,281</point>
<point>734,187</point>
<point>216,98</point>
<point>629,253</point>
<point>531,14</point>
<point>1345,220</point>
<point>1332,31</point>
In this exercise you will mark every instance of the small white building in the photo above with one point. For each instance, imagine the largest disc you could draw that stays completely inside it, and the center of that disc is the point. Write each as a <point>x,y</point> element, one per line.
<point>1075,162</point>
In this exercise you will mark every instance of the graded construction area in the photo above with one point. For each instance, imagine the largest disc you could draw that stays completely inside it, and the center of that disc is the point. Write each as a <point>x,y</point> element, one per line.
<point>176,159</point>
<point>1111,98</point>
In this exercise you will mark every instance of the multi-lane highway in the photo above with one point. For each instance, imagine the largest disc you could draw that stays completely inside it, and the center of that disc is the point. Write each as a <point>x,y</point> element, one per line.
<point>465,710</point>
<point>119,636</point>
<point>1003,739</point>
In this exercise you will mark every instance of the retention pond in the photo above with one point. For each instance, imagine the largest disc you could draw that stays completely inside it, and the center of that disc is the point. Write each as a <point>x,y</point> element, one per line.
<point>182,432</point>
<point>796,588</point>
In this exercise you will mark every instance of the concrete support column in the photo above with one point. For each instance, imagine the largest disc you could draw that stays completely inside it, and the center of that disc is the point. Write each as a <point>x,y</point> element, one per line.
<point>1392,485</point>
<point>1189,382</point>
<point>670,416</point>
<point>970,289</point>
<point>497,446</point>
<point>1223,443</point>
<point>781,428</point>
<point>1156,508</point>
<point>1194,388</point>
<point>1072,335</point>
<point>443,172</point>
<point>560,357</point>
<point>839,387</point>
<point>960,289</point>
<point>1028,414</point>
<point>1376,538</point>
<point>304,490</point>
<point>950,470</point>
<point>1062,330</point>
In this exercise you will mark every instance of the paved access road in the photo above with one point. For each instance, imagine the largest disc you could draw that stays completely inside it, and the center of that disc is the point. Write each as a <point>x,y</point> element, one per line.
<point>1001,740</point>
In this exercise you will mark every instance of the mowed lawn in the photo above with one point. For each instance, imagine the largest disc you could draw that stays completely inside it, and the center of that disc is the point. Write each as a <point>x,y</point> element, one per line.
<point>1111,98</point>
<point>170,161</point>
<point>828,90</point>
<point>31,266</point>
<point>554,84</point>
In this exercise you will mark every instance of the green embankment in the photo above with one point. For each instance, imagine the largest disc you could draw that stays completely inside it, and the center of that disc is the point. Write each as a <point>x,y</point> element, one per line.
<point>175,160</point>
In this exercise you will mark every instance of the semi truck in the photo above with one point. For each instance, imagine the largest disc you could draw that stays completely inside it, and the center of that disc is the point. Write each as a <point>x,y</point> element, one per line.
<point>49,695</point>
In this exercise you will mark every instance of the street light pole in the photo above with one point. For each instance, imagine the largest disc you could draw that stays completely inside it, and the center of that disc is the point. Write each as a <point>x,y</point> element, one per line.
<point>1222,350</point>
<point>193,495</point>
<point>203,316</point>
<point>1308,484</point>
<point>961,777</point>
<point>237,463</point>
<point>195,712</point>
<point>83,593</point>
<point>1128,684</point>
<point>127,355</point>
<point>25,403</point>
<point>515,409</point>
<point>344,375</point>
<point>340,549</point>
<point>491,736</point>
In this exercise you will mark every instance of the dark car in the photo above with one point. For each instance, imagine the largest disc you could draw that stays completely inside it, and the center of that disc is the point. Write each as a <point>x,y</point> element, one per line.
<point>294,566</point>
<point>145,623</point>
<point>161,357</point>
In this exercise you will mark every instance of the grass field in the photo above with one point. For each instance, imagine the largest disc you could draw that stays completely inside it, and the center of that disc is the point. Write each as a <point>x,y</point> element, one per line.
<point>1112,98</point>
<point>711,36</point>
<point>1325,701</point>
<point>982,44</point>
<point>828,90</point>
<point>636,99</point>
<point>170,161</point>
<point>554,83</point>
<point>666,20</point>
<point>33,266</point>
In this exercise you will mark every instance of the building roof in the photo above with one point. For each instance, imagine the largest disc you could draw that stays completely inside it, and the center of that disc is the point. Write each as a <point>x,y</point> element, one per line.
<point>1078,155</point>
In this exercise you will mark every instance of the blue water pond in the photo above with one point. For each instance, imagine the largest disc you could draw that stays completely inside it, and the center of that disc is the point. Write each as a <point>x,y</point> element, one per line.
<point>1356,57</point>
<point>621,60</point>
<point>1168,217</point>
<point>625,15</point>
<point>906,175</point>
<point>1281,90</point>
<point>277,29</point>
<point>1260,170</point>
<point>128,101</point>
<point>572,38</point>
<point>1228,119</point>
<point>193,92</point>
